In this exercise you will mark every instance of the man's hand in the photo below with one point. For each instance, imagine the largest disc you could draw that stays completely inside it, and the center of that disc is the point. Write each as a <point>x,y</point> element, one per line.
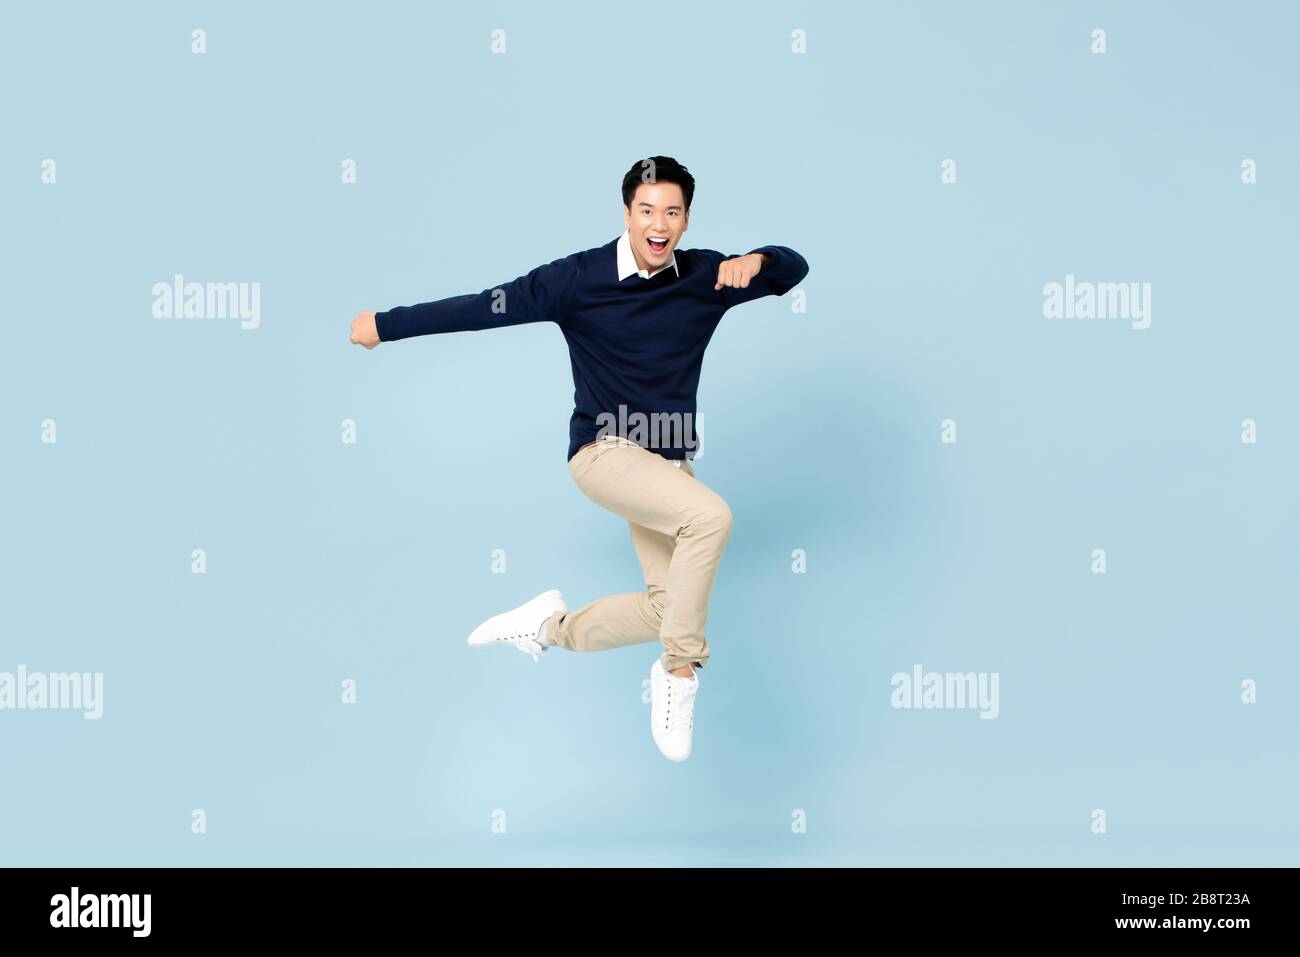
<point>364,332</point>
<point>739,271</point>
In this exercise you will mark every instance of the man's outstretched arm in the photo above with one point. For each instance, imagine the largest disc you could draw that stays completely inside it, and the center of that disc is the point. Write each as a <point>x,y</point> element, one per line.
<point>765,271</point>
<point>538,296</point>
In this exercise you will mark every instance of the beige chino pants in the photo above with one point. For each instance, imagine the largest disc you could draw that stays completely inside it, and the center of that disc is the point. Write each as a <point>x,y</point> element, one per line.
<point>679,528</point>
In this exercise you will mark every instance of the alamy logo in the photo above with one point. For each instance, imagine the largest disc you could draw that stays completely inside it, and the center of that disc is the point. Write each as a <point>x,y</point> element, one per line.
<point>102,910</point>
<point>657,430</point>
<point>935,689</point>
<point>1098,300</point>
<point>38,691</point>
<point>209,300</point>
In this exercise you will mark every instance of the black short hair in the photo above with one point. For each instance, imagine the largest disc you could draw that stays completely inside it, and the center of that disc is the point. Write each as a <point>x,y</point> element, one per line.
<point>658,169</point>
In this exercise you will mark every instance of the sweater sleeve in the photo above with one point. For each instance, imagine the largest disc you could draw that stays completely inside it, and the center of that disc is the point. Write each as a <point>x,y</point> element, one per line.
<point>783,271</point>
<point>539,296</point>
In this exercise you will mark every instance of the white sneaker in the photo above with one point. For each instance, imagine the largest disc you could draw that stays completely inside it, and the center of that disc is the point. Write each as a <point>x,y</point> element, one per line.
<point>672,711</point>
<point>521,626</point>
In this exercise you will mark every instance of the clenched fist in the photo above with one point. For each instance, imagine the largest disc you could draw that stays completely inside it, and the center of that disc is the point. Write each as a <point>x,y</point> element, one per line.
<point>364,332</point>
<point>739,271</point>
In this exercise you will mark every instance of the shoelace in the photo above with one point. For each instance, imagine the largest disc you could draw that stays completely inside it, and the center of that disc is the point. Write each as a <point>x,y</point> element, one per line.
<point>530,644</point>
<point>681,715</point>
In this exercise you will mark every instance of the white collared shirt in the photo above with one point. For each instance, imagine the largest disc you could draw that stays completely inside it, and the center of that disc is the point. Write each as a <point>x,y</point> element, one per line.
<point>627,262</point>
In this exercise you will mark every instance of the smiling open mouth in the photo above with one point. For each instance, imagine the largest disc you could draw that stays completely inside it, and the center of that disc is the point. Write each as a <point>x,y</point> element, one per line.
<point>657,245</point>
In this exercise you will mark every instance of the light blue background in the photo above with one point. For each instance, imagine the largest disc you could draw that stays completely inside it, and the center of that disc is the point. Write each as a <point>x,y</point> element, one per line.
<point>373,562</point>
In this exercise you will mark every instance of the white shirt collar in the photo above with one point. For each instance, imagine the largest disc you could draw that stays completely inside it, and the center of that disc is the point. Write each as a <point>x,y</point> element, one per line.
<point>627,262</point>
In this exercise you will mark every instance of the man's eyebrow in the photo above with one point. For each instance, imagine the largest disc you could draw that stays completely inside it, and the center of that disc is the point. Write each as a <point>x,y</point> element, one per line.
<point>644,203</point>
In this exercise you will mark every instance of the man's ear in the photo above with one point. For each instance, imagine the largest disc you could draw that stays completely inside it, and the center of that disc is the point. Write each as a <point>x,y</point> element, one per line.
<point>686,220</point>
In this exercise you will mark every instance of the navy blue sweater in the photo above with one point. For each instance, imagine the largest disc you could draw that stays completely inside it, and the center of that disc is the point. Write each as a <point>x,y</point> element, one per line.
<point>636,346</point>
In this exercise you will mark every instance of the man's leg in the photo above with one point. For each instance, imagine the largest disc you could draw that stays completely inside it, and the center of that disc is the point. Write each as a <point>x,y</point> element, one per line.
<point>654,550</point>
<point>666,505</point>
<point>626,619</point>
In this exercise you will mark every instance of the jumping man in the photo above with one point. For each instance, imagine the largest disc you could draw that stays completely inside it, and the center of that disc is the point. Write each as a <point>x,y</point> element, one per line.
<point>637,314</point>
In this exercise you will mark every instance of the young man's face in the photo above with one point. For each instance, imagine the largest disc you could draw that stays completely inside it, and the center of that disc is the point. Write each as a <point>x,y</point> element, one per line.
<point>658,212</point>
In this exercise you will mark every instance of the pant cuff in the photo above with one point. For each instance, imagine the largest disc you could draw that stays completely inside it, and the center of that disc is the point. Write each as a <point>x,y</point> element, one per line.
<point>553,636</point>
<point>671,661</point>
